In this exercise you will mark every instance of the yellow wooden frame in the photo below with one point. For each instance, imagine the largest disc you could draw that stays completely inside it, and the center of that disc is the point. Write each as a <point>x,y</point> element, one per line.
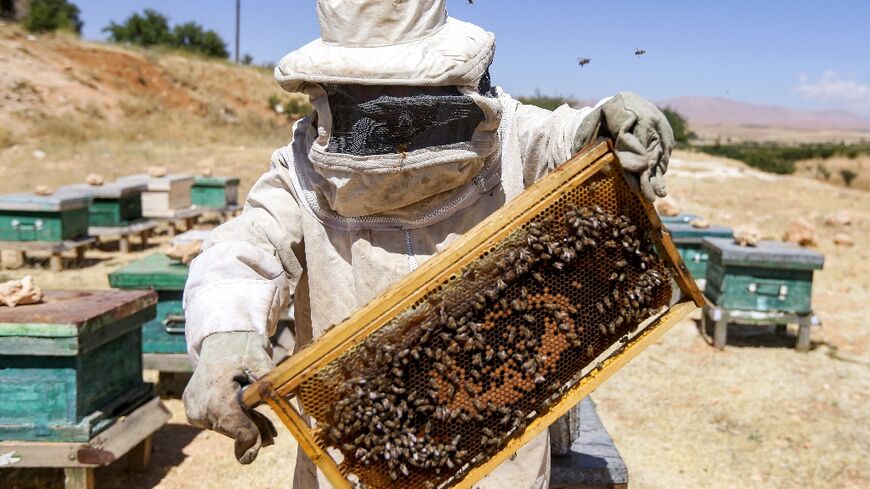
<point>276,387</point>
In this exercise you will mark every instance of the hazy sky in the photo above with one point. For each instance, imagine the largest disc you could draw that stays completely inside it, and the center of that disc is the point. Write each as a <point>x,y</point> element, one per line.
<point>798,53</point>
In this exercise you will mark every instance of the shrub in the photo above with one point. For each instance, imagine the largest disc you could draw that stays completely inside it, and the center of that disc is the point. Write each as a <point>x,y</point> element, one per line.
<point>848,175</point>
<point>545,101</point>
<point>149,29</point>
<point>822,171</point>
<point>191,36</point>
<point>152,29</point>
<point>52,15</point>
<point>247,60</point>
<point>680,125</point>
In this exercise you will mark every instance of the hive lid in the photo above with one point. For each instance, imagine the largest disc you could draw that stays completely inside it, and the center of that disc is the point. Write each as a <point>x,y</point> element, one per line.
<point>679,218</point>
<point>156,271</point>
<point>686,233</point>
<point>111,190</point>
<point>63,199</point>
<point>216,181</point>
<point>68,322</point>
<point>159,184</point>
<point>768,254</point>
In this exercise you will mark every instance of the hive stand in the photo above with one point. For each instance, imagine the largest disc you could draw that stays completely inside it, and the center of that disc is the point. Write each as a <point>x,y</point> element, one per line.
<point>130,435</point>
<point>55,250</point>
<point>189,217</point>
<point>142,229</point>
<point>770,284</point>
<point>593,462</point>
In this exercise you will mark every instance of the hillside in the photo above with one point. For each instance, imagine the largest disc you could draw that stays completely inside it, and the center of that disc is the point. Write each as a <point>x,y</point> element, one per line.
<point>77,107</point>
<point>723,111</point>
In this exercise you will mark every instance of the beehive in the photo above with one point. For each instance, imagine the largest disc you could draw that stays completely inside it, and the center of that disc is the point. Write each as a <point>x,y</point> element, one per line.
<point>165,196</point>
<point>71,363</point>
<point>688,240</point>
<point>114,204</point>
<point>447,374</point>
<point>164,333</point>
<point>60,216</point>
<point>215,192</point>
<point>772,277</point>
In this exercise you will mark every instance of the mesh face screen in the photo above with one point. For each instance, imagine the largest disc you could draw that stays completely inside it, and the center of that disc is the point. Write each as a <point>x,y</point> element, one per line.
<point>380,120</point>
<point>447,382</point>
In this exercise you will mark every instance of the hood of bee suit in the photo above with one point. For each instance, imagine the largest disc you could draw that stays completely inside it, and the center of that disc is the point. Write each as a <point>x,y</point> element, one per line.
<point>404,116</point>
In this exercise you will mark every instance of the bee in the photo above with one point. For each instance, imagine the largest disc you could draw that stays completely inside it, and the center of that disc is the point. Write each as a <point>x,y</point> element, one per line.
<point>583,61</point>
<point>639,52</point>
<point>402,149</point>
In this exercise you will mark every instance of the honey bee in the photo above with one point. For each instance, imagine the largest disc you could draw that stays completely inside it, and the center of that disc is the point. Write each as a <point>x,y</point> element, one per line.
<point>639,52</point>
<point>583,61</point>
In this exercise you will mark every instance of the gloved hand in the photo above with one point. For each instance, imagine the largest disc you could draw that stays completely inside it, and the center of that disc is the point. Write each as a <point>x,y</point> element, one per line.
<point>641,135</point>
<point>226,362</point>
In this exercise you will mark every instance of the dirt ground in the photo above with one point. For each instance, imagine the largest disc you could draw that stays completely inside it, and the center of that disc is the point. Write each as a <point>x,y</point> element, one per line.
<point>682,414</point>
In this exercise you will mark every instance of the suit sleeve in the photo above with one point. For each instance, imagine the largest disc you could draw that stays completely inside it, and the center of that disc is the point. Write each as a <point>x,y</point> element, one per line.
<point>546,138</point>
<point>249,266</point>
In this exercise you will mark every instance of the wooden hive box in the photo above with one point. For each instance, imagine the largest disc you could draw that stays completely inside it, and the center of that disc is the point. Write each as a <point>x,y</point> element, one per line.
<point>45,218</point>
<point>772,277</point>
<point>165,196</point>
<point>70,365</point>
<point>114,204</point>
<point>688,240</point>
<point>164,333</point>
<point>679,219</point>
<point>215,192</point>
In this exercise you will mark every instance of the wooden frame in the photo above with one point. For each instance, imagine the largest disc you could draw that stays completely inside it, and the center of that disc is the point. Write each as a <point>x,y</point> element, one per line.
<point>275,387</point>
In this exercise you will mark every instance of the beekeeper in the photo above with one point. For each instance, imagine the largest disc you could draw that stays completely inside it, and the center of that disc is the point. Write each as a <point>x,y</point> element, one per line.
<point>408,147</point>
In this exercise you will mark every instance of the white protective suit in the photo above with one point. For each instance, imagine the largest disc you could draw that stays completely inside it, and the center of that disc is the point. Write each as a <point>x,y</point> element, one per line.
<point>339,229</point>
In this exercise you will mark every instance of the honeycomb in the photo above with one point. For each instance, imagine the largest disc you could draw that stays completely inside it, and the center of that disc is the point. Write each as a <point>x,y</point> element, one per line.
<point>444,385</point>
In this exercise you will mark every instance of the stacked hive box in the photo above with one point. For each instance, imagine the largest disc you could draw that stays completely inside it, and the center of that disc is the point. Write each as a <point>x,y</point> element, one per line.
<point>163,343</point>
<point>71,365</point>
<point>165,196</point>
<point>114,204</point>
<point>45,218</point>
<point>215,192</point>
<point>688,240</point>
<point>767,284</point>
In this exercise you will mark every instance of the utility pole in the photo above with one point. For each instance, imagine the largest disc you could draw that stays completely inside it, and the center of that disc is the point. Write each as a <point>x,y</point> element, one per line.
<point>238,26</point>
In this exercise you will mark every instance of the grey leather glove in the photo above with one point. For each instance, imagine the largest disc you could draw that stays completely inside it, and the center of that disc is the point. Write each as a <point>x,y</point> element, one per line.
<point>641,135</point>
<point>228,361</point>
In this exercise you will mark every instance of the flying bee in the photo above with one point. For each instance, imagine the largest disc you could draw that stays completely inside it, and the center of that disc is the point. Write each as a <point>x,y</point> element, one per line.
<point>583,61</point>
<point>639,52</point>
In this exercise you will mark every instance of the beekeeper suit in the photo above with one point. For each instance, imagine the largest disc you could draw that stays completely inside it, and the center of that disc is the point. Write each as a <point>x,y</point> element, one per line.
<point>408,147</point>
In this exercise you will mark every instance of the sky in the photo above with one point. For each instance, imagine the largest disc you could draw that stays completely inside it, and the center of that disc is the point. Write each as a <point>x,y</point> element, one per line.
<point>811,54</point>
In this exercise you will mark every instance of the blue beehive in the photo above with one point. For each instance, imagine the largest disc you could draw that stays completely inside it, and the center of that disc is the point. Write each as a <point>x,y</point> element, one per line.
<point>70,365</point>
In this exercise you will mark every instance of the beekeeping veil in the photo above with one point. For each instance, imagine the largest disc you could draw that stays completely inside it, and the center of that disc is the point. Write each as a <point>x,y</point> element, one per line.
<point>405,118</point>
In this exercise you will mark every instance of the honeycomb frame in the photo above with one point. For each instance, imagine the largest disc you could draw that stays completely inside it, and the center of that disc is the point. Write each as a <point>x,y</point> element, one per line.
<point>334,358</point>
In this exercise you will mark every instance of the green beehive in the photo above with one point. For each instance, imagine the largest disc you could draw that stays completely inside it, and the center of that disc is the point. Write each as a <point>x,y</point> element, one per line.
<point>688,240</point>
<point>215,192</point>
<point>165,333</point>
<point>772,277</point>
<point>114,204</point>
<point>58,217</point>
<point>70,365</point>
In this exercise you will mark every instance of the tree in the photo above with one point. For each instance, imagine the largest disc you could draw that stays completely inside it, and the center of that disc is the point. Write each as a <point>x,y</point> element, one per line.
<point>152,29</point>
<point>247,60</point>
<point>191,36</point>
<point>149,29</point>
<point>680,125</point>
<point>848,175</point>
<point>52,15</point>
